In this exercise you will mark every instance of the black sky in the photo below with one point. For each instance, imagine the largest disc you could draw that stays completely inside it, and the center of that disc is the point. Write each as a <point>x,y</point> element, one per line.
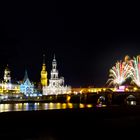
<point>87,38</point>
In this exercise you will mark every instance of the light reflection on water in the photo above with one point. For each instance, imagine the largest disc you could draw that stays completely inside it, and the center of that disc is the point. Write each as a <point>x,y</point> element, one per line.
<point>40,106</point>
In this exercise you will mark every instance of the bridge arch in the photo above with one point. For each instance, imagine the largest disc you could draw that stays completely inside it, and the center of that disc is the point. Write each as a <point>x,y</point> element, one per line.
<point>101,100</point>
<point>131,100</point>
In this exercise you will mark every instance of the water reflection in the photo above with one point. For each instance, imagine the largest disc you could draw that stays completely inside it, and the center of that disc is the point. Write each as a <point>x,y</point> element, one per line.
<point>81,105</point>
<point>40,106</point>
<point>89,105</point>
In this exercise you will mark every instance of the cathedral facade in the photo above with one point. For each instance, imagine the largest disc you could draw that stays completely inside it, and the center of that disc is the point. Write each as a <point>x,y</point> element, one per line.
<point>27,88</point>
<point>56,84</point>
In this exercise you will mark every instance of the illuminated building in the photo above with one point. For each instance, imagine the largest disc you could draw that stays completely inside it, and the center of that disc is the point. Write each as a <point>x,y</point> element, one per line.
<point>56,84</point>
<point>27,87</point>
<point>7,86</point>
<point>44,74</point>
<point>7,76</point>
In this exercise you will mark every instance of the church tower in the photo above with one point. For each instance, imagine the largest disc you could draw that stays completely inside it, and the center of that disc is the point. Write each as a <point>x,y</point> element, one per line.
<point>54,80</point>
<point>56,85</point>
<point>7,77</point>
<point>44,80</point>
<point>54,71</point>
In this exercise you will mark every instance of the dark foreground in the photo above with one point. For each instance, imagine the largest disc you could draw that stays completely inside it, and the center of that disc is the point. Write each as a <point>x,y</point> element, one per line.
<point>92,123</point>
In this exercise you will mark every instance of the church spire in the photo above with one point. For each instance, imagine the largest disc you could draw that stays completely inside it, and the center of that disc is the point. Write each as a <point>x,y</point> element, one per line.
<point>43,58</point>
<point>54,71</point>
<point>54,63</point>
<point>54,58</point>
<point>25,76</point>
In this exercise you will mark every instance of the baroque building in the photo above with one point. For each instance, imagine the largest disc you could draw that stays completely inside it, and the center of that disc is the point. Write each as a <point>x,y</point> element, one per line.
<point>7,85</point>
<point>44,80</point>
<point>56,84</point>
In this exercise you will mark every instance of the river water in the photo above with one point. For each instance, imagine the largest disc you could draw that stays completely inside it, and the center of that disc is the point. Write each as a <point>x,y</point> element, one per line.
<point>40,106</point>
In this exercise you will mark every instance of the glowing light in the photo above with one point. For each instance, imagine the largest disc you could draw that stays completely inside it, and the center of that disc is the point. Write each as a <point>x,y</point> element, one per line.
<point>1,107</point>
<point>133,103</point>
<point>18,106</point>
<point>64,106</point>
<point>6,106</point>
<point>75,92</point>
<point>135,88</point>
<point>121,89</point>
<point>37,103</point>
<point>26,106</point>
<point>126,89</point>
<point>68,98</point>
<point>50,105</point>
<point>46,106</point>
<point>36,106</point>
<point>89,105</point>
<point>70,105</point>
<point>81,105</point>
<point>58,105</point>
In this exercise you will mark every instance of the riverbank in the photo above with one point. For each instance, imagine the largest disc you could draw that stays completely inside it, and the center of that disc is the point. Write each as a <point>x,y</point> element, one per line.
<point>71,123</point>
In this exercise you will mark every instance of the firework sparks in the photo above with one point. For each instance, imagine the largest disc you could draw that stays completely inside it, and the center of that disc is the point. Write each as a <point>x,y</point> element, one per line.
<point>135,72</point>
<point>119,73</point>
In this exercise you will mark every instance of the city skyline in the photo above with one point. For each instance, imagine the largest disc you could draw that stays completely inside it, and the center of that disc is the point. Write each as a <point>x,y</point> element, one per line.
<point>87,41</point>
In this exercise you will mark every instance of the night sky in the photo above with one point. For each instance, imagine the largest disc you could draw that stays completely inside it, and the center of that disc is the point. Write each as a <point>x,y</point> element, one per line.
<point>87,39</point>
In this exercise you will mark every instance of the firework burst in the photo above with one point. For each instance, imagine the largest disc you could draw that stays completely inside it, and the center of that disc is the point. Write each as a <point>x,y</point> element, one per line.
<point>119,73</point>
<point>135,72</point>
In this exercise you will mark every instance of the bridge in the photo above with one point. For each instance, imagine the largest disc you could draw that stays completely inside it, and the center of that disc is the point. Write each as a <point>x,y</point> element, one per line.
<point>108,98</point>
